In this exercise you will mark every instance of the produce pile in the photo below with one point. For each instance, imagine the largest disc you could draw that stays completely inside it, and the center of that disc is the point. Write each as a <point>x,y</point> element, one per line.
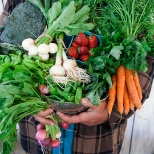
<point>71,63</point>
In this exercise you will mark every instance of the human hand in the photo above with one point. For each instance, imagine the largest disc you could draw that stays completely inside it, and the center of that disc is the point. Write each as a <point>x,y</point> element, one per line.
<point>93,116</point>
<point>42,116</point>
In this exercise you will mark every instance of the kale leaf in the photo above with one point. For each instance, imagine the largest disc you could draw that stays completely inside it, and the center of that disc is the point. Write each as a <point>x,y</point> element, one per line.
<point>25,21</point>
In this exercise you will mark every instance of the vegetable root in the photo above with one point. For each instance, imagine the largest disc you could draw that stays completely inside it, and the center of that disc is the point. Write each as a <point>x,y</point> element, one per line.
<point>132,89</point>
<point>126,101</point>
<point>137,84</point>
<point>112,95</point>
<point>125,92</point>
<point>120,87</point>
<point>73,71</point>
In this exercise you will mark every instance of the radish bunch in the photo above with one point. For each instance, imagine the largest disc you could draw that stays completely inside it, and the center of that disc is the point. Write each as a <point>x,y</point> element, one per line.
<point>50,135</point>
<point>43,50</point>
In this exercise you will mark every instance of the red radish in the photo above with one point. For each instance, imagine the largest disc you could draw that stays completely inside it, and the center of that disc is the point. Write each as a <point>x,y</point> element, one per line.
<point>83,50</point>
<point>45,142</point>
<point>64,124</point>
<point>40,126</point>
<point>41,134</point>
<point>84,57</point>
<point>55,143</point>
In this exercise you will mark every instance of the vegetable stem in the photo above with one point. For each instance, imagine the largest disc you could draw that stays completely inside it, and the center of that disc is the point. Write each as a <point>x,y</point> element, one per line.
<point>139,21</point>
<point>59,39</point>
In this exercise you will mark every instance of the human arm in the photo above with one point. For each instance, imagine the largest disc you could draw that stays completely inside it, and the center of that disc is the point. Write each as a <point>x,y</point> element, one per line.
<point>5,12</point>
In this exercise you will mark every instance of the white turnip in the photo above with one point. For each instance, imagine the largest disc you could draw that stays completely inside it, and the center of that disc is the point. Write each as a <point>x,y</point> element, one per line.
<point>44,57</point>
<point>53,48</point>
<point>43,49</point>
<point>26,43</point>
<point>73,71</point>
<point>33,51</point>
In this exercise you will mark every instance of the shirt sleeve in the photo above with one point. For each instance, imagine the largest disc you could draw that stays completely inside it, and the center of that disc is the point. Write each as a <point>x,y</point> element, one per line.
<point>146,79</point>
<point>4,13</point>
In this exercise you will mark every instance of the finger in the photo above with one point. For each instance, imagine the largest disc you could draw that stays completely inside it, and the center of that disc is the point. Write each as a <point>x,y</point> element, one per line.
<point>69,119</point>
<point>43,89</point>
<point>44,120</point>
<point>86,102</point>
<point>46,112</point>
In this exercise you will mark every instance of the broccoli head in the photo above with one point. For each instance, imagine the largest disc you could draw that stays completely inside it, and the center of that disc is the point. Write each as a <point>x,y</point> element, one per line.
<point>25,21</point>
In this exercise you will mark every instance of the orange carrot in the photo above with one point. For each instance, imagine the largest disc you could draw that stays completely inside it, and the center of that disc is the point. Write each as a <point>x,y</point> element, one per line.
<point>131,104</point>
<point>126,101</point>
<point>132,89</point>
<point>112,94</point>
<point>120,87</point>
<point>137,84</point>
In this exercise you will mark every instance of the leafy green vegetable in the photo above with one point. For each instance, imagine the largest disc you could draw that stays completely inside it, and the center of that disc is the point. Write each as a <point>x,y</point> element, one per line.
<point>130,17</point>
<point>25,21</point>
<point>116,51</point>
<point>65,17</point>
<point>54,12</point>
<point>70,92</point>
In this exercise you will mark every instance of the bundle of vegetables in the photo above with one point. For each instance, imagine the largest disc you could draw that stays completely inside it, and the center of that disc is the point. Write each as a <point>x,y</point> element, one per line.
<point>19,82</point>
<point>127,29</point>
<point>118,22</point>
<point>126,92</point>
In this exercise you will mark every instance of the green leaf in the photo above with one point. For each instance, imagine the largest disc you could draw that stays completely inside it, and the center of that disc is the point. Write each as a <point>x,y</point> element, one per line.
<point>78,95</point>
<point>75,29</point>
<point>2,102</point>
<point>54,12</point>
<point>7,75</point>
<point>107,77</point>
<point>79,14</point>
<point>94,97</point>
<point>30,90</point>
<point>4,59</point>
<point>39,4</point>
<point>15,59</point>
<point>116,51</point>
<point>5,67</point>
<point>84,18</point>
<point>47,5</point>
<point>64,18</point>
<point>21,73</point>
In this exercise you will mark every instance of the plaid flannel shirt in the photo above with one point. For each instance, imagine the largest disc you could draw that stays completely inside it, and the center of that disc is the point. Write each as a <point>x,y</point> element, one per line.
<point>105,138</point>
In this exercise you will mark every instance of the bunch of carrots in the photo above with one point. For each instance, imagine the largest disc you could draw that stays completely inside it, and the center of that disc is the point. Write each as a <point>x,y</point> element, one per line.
<point>126,92</point>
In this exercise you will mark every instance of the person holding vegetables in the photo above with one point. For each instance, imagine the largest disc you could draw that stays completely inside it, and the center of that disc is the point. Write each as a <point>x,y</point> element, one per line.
<point>94,131</point>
